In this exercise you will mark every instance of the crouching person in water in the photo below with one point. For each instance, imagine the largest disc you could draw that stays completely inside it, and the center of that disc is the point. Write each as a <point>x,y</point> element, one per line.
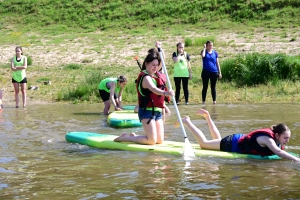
<point>108,89</point>
<point>266,141</point>
<point>150,89</point>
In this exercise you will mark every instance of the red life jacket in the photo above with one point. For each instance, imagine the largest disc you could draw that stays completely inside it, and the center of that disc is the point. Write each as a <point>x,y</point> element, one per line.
<point>249,145</point>
<point>150,99</point>
<point>167,98</point>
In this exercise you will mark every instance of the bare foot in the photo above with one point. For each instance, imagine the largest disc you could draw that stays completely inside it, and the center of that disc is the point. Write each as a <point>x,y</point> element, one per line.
<point>184,120</point>
<point>132,134</point>
<point>203,112</point>
<point>121,137</point>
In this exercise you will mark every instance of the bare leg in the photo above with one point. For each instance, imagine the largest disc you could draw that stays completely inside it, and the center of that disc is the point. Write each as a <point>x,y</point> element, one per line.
<point>106,107</point>
<point>23,90</point>
<point>136,109</point>
<point>200,137</point>
<point>16,88</point>
<point>160,131</point>
<point>212,127</point>
<point>154,134</point>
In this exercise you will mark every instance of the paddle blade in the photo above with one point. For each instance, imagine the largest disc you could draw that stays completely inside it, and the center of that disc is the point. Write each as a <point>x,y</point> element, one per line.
<point>188,150</point>
<point>135,58</point>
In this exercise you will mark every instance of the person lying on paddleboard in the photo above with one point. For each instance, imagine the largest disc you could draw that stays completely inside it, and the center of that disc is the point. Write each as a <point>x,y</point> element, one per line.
<point>150,89</point>
<point>266,141</point>
<point>108,89</point>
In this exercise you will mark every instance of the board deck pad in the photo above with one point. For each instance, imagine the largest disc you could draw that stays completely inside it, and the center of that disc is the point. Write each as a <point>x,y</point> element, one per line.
<point>106,141</point>
<point>123,119</point>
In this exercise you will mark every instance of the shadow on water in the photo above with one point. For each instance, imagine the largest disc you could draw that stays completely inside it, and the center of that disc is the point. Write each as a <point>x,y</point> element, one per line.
<point>37,163</point>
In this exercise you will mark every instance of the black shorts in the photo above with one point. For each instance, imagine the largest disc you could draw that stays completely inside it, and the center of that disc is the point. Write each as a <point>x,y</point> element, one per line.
<point>23,81</point>
<point>105,95</point>
<point>226,144</point>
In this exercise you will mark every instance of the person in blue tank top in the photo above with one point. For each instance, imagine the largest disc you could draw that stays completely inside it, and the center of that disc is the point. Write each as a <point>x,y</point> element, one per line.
<point>211,71</point>
<point>231,143</point>
<point>18,67</point>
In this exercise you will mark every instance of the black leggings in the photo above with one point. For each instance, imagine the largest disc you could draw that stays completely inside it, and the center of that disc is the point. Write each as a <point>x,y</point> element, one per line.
<point>185,81</point>
<point>213,77</point>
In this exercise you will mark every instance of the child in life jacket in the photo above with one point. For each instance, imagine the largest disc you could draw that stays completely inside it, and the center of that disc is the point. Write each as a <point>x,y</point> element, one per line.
<point>266,141</point>
<point>150,89</point>
<point>111,90</point>
<point>167,98</point>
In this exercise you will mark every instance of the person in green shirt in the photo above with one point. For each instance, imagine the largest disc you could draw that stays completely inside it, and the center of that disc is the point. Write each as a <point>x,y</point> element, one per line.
<point>182,72</point>
<point>108,89</point>
<point>18,67</point>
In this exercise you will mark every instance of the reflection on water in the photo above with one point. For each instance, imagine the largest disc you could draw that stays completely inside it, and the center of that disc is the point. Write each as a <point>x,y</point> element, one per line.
<point>37,163</point>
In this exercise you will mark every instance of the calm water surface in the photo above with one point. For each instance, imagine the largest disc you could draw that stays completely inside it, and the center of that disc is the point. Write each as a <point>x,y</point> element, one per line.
<point>37,163</point>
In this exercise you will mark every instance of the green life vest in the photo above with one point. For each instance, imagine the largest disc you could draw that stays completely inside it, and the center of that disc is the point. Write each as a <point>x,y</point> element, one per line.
<point>102,84</point>
<point>18,75</point>
<point>181,66</point>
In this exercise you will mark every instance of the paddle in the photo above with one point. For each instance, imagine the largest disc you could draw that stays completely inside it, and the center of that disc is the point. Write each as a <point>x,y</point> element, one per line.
<point>138,62</point>
<point>188,150</point>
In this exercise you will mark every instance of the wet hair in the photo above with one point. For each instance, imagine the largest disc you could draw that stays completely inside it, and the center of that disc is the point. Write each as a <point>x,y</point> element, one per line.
<point>150,57</point>
<point>18,47</point>
<point>280,128</point>
<point>122,79</point>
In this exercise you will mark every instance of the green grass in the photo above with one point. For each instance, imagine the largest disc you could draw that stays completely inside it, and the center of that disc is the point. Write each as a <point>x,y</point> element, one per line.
<point>98,28</point>
<point>59,16</point>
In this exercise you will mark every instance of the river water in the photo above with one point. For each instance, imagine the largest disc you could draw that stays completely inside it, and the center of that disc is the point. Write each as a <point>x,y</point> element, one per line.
<point>37,163</point>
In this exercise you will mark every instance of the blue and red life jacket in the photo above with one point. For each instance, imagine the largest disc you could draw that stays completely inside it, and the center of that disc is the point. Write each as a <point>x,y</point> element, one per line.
<point>248,144</point>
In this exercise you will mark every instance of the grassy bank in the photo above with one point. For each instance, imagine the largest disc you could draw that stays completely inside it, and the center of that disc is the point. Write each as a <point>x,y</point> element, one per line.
<point>92,15</point>
<point>74,44</point>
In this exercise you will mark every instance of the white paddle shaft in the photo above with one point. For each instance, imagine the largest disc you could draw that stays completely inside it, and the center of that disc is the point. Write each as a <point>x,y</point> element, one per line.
<point>173,97</point>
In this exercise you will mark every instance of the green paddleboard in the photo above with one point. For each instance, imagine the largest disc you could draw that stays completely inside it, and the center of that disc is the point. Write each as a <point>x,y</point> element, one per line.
<point>106,141</point>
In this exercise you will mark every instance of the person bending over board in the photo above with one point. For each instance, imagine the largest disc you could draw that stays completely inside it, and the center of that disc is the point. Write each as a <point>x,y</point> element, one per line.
<point>266,141</point>
<point>150,89</point>
<point>108,89</point>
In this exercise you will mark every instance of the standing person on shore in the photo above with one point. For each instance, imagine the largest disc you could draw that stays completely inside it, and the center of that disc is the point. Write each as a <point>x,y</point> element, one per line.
<point>182,72</point>
<point>264,141</point>
<point>151,94</point>
<point>18,67</point>
<point>108,89</point>
<point>211,71</point>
